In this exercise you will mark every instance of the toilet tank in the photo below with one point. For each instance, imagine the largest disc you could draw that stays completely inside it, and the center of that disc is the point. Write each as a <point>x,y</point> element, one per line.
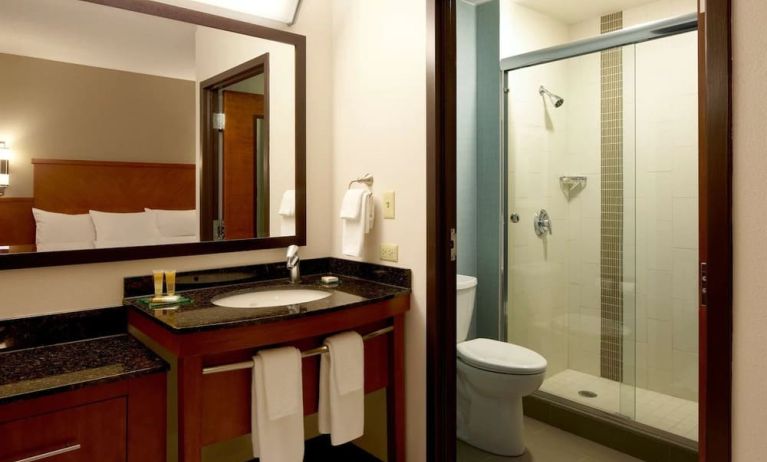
<point>466,288</point>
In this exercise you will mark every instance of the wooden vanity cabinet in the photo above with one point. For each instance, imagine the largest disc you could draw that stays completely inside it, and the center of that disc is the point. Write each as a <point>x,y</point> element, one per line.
<point>113,422</point>
<point>216,407</point>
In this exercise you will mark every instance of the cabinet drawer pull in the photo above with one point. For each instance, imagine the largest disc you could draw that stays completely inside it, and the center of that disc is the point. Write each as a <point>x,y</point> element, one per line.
<point>49,454</point>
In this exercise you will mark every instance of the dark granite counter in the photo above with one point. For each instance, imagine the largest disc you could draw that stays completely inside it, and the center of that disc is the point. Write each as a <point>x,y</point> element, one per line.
<point>202,314</point>
<point>33,372</point>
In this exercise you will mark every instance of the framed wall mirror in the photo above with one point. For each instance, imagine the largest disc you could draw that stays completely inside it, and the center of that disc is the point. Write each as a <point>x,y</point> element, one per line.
<point>135,129</point>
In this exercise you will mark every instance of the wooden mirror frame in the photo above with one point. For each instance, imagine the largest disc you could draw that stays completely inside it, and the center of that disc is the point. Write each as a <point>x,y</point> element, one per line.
<point>149,7</point>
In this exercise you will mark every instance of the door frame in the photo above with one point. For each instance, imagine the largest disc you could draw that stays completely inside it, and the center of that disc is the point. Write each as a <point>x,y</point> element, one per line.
<point>715,175</point>
<point>209,194</point>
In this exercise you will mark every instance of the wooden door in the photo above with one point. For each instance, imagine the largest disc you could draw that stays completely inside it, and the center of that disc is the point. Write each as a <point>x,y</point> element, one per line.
<point>239,163</point>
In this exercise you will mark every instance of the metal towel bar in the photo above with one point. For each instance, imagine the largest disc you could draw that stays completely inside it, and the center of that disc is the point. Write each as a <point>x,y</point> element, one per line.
<point>305,354</point>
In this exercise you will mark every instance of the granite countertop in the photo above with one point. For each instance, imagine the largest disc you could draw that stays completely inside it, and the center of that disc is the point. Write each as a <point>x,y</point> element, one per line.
<point>33,372</point>
<point>202,314</point>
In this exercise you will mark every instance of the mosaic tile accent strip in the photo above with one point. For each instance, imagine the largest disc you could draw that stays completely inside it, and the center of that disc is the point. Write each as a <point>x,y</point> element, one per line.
<point>611,227</point>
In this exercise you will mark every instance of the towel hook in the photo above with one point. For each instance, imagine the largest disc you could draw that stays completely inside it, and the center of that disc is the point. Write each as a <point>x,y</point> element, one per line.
<point>366,179</point>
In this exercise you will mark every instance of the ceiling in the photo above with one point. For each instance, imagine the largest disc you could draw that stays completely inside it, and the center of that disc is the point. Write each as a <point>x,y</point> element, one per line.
<point>573,11</point>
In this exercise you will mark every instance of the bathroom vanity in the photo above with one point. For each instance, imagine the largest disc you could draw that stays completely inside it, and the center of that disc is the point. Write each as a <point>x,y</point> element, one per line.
<point>77,387</point>
<point>212,346</point>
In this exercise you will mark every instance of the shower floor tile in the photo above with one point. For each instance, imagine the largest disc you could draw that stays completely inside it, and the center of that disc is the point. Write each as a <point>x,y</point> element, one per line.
<point>668,413</point>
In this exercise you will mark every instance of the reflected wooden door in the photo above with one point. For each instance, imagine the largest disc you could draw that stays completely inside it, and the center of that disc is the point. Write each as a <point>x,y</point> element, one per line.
<point>239,163</point>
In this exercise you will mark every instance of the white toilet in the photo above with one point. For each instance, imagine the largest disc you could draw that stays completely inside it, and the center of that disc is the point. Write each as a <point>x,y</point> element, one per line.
<point>493,377</point>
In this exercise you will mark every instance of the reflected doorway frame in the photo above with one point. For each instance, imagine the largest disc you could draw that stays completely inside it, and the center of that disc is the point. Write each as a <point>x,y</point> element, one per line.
<point>210,192</point>
<point>715,232</point>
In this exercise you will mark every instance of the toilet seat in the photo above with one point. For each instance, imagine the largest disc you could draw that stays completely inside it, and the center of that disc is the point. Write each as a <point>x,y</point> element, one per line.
<point>501,357</point>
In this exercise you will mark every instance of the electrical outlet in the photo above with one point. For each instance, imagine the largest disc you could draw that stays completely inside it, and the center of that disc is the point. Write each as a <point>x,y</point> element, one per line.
<point>388,204</point>
<point>389,252</point>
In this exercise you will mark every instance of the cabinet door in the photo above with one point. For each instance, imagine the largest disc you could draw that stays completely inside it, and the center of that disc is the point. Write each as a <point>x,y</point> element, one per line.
<point>92,432</point>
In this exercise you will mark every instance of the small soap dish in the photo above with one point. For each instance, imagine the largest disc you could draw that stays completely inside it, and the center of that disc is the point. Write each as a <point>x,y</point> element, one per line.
<point>571,185</point>
<point>330,281</point>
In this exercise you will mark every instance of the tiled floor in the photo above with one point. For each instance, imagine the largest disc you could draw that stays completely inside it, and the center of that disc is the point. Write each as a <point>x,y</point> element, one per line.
<point>548,444</point>
<point>668,413</point>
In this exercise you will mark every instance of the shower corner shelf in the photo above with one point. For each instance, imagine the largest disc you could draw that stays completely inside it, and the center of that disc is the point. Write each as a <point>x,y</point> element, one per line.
<point>572,184</point>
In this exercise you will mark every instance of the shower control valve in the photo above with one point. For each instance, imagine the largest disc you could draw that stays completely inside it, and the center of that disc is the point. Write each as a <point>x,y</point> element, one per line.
<point>542,223</point>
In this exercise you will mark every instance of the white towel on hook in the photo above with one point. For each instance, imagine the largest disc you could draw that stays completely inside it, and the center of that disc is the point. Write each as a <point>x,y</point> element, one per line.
<point>355,225</point>
<point>352,203</point>
<point>342,388</point>
<point>277,409</point>
<point>370,216</point>
<point>287,213</point>
<point>288,203</point>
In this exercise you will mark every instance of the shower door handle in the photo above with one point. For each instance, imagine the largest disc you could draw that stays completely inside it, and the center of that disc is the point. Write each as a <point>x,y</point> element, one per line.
<point>542,223</point>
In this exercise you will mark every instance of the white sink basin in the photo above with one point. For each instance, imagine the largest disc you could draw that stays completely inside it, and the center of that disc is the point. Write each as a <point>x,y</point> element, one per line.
<point>271,298</point>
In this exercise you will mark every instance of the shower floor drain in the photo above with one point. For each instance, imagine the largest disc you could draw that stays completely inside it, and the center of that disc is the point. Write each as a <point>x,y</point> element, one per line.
<point>587,394</point>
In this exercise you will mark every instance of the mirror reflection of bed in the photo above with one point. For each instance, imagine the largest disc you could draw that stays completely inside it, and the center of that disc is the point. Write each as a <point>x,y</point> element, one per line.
<point>79,204</point>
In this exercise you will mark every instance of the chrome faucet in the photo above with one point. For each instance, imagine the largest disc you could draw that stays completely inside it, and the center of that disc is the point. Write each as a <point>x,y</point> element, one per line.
<point>293,262</point>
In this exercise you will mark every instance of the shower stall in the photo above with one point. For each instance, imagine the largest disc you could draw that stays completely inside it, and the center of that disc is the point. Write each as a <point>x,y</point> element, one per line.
<point>601,219</point>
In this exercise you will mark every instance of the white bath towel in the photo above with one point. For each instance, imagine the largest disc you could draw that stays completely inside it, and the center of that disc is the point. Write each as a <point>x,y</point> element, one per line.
<point>342,388</point>
<point>355,225</point>
<point>352,203</point>
<point>370,216</point>
<point>288,204</point>
<point>277,412</point>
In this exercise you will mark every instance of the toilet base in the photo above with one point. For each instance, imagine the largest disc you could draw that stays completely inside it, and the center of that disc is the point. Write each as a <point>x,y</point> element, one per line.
<point>492,426</point>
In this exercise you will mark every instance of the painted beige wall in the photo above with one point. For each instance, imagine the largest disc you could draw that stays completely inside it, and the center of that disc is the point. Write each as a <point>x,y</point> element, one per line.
<point>750,228</point>
<point>59,110</point>
<point>31,292</point>
<point>379,126</point>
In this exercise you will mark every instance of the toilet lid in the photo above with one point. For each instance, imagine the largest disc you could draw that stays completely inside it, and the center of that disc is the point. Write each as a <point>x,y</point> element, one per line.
<point>506,358</point>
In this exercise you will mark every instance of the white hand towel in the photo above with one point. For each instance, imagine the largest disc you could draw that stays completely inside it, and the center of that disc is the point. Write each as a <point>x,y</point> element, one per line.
<point>370,217</point>
<point>288,203</point>
<point>277,413</point>
<point>351,204</point>
<point>287,226</point>
<point>353,230</point>
<point>342,388</point>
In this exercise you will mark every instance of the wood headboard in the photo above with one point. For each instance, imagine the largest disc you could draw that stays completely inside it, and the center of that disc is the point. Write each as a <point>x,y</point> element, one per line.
<point>76,186</point>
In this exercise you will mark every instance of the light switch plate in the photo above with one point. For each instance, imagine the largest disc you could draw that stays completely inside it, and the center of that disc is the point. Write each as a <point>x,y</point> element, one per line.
<point>389,252</point>
<point>388,204</point>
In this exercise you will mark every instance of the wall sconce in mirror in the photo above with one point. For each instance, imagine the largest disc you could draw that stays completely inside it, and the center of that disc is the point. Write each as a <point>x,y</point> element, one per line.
<point>284,11</point>
<point>5,174</point>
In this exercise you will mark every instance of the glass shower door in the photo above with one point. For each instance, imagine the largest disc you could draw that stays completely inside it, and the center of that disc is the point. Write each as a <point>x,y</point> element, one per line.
<point>571,253</point>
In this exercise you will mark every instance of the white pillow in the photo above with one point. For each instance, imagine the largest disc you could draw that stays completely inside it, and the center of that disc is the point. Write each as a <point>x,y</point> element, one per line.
<point>61,231</point>
<point>176,223</point>
<point>124,228</point>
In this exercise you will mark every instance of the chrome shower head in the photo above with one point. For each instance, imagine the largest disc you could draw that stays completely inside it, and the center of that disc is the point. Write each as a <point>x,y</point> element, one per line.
<point>555,99</point>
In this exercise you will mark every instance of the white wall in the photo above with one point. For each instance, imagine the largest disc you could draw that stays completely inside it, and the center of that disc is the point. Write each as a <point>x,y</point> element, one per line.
<point>749,189</point>
<point>379,126</point>
<point>31,292</point>
<point>218,51</point>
